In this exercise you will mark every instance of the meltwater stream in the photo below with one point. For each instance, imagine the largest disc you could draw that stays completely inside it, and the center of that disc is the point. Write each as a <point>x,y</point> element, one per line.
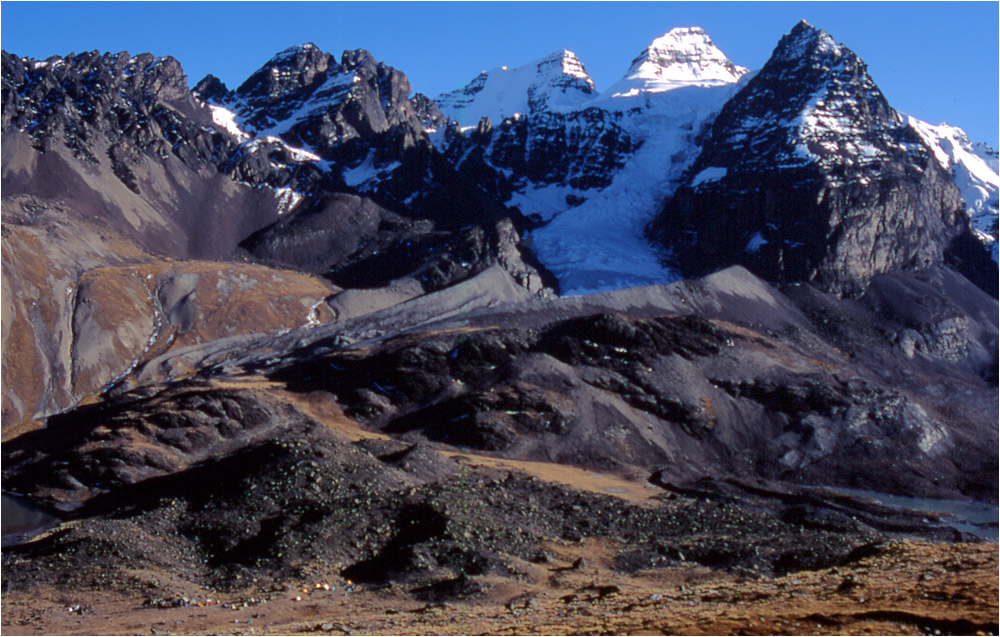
<point>977,518</point>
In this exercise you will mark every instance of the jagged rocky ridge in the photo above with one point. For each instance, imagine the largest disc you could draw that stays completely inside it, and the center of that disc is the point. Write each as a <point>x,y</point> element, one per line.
<point>119,143</point>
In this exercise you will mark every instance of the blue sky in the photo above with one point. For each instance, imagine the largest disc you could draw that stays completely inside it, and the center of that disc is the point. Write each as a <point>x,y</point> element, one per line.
<point>935,60</point>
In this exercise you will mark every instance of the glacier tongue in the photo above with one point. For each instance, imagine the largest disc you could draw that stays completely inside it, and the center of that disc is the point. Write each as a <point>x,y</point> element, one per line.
<point>671,91</point>
<point>599,245</point>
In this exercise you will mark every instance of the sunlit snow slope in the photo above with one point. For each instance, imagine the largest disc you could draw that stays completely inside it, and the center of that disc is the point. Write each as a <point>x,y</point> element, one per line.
<point>975,168</point>
<point>557,80</point>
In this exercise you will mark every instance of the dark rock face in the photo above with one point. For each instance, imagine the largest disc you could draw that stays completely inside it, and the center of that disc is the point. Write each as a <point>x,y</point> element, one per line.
<point>427,111</point>
<point>358,244</point>
<point>583,149</point>
<point>325,233</point>
<point>537,133</point>
<point>211,89</point>
<point>807,174</point>
<point>338,111</point>
<point>437,261</point>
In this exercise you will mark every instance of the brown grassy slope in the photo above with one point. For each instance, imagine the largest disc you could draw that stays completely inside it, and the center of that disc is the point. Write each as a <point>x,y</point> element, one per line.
<point>81,305</point>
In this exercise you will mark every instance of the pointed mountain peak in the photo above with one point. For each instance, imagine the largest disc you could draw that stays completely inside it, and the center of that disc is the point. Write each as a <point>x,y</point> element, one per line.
<point>294,52</point>
<point>684,56</point>
<point>293,68</point>
<point>353,60</point>
<point>554,81</point>
<point>212,89</point>
<point>812,103</point>
<point>805,41</point>
<point>565,62</point>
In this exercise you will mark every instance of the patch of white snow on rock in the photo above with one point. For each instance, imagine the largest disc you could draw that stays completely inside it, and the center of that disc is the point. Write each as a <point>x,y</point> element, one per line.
<point>975,168</point>
<point>226,120</point>
<point>712,173</point>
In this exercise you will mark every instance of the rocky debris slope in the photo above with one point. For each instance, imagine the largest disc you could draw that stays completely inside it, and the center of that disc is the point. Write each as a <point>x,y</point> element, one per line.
<point>892,588</point>
<point>305,503</point>
<point>900,409</point>
<point>808,174</point>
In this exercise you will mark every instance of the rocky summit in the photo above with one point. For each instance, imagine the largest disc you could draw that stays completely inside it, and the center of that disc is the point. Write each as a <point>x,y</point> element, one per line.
<point>530,344</point>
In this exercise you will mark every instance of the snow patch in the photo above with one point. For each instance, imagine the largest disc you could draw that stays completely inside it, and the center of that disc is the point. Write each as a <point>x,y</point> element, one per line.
<point>368,171</point>
<point>226,120</point>
<point>557,81</point>
<point>297,154</point>
<point>333,90</point>
<point>756,243</point>
<point>712,173</point>
<point>545,200</point>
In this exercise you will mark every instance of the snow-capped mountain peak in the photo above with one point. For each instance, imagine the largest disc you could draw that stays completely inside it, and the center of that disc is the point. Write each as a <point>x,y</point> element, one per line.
<point>555,81</point>
<point>684,56</point>
<point>568,64</point>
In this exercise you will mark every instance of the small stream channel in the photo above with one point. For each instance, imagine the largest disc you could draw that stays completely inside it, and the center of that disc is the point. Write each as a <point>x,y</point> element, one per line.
<point>977,518</point>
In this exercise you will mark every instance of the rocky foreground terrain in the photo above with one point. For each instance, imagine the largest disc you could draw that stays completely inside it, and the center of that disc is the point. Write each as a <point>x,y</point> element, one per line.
<point>314,355</point>
<point>899,589</point>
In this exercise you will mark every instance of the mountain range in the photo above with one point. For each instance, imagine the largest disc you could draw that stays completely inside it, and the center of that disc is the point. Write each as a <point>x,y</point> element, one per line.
<point>702,275</point>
